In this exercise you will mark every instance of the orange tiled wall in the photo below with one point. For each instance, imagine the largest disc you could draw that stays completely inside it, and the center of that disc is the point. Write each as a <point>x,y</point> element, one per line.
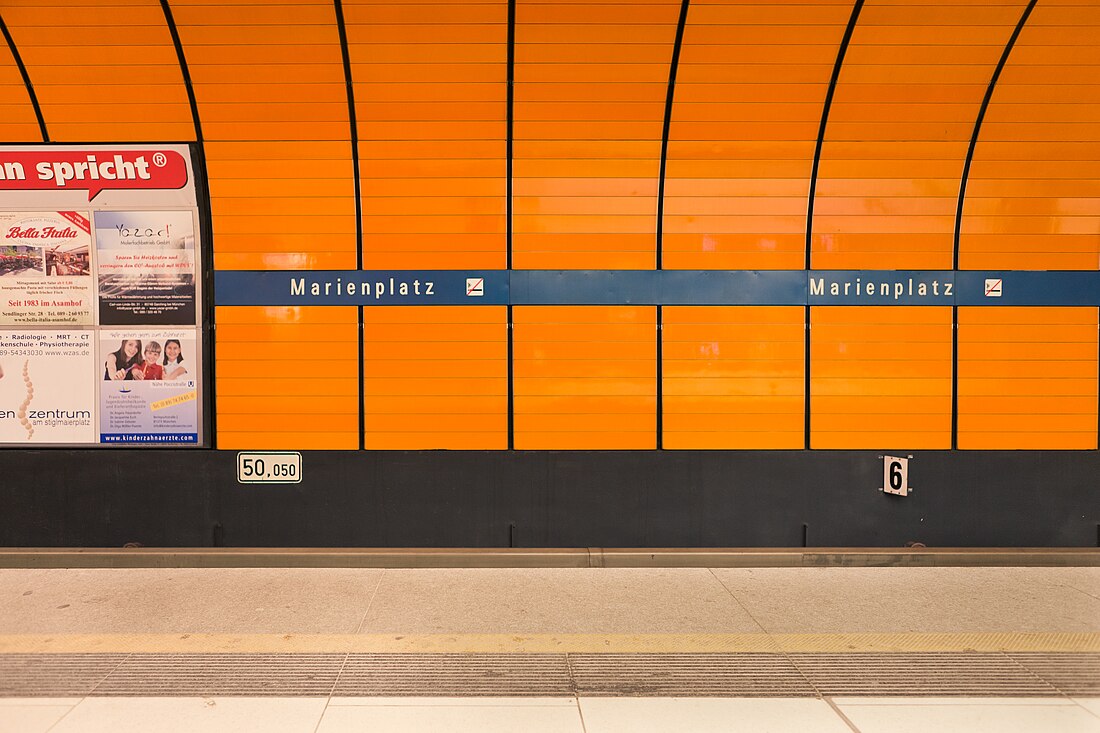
<point>590,100</point>
<point>270,85</point>
<point>269,81</point>
<point>436,377</point>
<point>18,123</point>
<point>1027,378</point>
<point>1033,198</point>
<point>750,87</point>
<point>591,85</point>
<point>880,377</point>
<point>103,72</point>
<point>287,378</point>
<point>908,94</point>
<point>585,377</point>
<point>431,104</point>
<point>734,377</point>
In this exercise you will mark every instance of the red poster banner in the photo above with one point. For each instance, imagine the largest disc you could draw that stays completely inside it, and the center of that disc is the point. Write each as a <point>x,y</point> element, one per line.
<point>61,170</point>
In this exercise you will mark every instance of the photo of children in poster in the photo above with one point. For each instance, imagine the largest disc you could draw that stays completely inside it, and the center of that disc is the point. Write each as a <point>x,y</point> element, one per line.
<point>45,271</point>
<point>146,266</point>
<point>46,387</point>
<point>149,386</point>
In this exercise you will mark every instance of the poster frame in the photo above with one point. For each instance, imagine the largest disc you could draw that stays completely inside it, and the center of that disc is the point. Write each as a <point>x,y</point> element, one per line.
<point>204,306</point>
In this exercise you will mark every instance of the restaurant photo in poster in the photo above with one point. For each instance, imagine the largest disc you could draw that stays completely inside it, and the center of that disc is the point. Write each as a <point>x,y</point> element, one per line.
<point>149,381</point>
<point>146,266</point>
<point>45,268</point>
<point>47,389</point>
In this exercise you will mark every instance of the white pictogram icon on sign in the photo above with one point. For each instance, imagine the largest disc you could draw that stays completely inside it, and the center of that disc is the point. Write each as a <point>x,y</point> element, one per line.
<point>475,286</point>
<point>992,287</point>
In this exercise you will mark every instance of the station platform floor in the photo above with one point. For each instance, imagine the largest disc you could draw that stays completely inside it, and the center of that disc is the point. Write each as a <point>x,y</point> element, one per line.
<point>578,650</point>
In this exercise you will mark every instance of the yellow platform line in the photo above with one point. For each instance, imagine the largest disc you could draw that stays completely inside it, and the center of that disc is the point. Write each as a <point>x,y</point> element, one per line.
<point>559,643</point>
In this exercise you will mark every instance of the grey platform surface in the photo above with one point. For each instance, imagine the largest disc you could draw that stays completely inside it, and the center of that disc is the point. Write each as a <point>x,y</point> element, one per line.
<point>648,601</point>
<point>587,649</point>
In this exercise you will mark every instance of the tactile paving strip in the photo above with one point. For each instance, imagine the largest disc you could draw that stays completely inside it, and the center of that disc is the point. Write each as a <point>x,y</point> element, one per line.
<point>695,675</point>
<point>54,675</point>
<point>1077,675</point>
<point>243,675</point>
<point>455,675</point>
<point>854,674</point>
<point>940,674</point>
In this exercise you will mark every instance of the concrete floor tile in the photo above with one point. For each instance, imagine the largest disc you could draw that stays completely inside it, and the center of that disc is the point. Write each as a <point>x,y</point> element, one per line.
<point>1031,701</point>
<point>1006,717</point>
<point>1092,704</point>
<point>23,701</point>
<point>452,719</point>
<point>196,600</point>
<point>484,702</point>
<point>561,600</point>
<point>1086,580</point>
<point>193,714</point>
<point>30,718</point>
<point>708,715</point>
<point>852,600</point>
<point>15,587</point>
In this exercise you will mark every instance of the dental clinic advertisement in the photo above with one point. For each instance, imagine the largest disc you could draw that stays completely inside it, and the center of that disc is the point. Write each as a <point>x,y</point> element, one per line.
<point>149,387</point>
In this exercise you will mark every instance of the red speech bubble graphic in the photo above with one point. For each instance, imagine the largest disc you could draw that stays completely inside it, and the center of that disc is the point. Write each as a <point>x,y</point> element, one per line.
<point>93,171</point>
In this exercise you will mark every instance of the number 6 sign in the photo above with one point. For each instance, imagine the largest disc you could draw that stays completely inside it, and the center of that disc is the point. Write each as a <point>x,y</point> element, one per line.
<point>895,475</point>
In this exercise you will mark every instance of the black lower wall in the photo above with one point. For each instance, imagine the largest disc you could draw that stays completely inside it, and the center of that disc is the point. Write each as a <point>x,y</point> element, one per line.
<point>185,498</point>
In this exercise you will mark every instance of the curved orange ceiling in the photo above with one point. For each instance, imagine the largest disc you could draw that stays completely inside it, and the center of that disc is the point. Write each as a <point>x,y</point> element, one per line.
<point>103,72</point>
<point>589,108</point>
<point>1033,195</point>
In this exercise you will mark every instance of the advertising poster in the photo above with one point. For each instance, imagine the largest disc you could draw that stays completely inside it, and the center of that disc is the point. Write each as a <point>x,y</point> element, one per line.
<point>100,247</point>
<point>149,382</point>
<point>45,268</point>
<point>47,390</point>
<point>146,266</point>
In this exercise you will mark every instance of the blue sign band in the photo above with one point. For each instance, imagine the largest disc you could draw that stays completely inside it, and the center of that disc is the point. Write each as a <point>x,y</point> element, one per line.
<point>655,287</point>
<point>361,287</point>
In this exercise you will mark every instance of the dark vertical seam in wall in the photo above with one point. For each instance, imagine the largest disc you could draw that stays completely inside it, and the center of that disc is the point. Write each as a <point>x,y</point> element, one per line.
<point>362,380</point>
<point>206,242</point>
<point>26,80</point>
<point>955,377</point>
<point>353,131</point>
<point>806,379</point>
<point>670,97</point>
<point>841,52</point>
<point>660,375</point>
<point>673,65</point>
<point>510,124</point>
<point>353,127</point>
<point>509,130</point>
<point>185,70</point>
<point>511,390</point>
<point>978,127</point>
